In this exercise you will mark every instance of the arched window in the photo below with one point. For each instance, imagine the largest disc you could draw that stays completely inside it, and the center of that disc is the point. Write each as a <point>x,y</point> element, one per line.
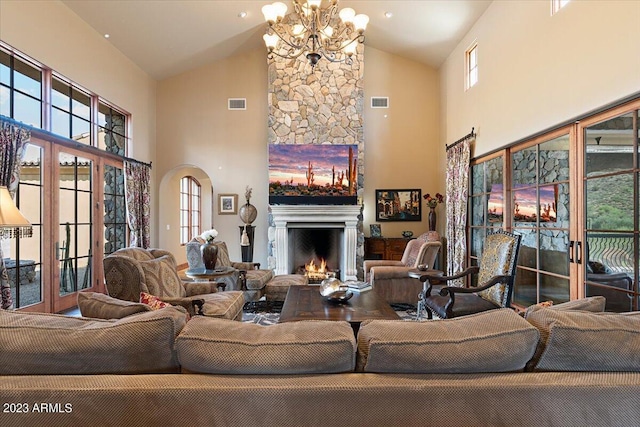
<point>190,208</point>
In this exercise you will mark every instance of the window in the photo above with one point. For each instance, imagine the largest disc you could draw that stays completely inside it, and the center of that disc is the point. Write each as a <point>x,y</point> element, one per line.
<point>471,66</point>
<point>556,5</point>
<point>190,209</point>
<point>20,90</point>
<point>49,268</point>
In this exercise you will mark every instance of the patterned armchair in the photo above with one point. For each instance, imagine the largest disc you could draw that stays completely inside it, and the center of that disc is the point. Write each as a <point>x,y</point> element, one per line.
<point>130,271</point>
<point>496,275</point>
<point>247,277</point>
<point>390,279</point>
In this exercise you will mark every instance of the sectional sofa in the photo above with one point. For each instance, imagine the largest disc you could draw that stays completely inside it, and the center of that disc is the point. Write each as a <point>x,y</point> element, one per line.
<point>568,365</point>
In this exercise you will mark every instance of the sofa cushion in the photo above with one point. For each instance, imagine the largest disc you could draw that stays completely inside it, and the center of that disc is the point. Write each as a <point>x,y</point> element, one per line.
<point>258,279</point>
<point>52,344</point>
<point>100,306</point>
<point>161,277</point>
<point>219,346</point>
<point>493,341</point>
<point>225,305</point>
<point>585,341</point>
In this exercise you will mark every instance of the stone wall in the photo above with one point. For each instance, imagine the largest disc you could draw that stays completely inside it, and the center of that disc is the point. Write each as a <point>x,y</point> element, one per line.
<point>321,105</point>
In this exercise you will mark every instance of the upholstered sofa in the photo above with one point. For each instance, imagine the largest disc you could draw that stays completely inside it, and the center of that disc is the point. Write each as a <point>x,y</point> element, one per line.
<point>557,367</point>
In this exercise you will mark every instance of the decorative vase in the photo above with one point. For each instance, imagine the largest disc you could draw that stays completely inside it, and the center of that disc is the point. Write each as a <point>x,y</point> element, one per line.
<point>432,219</point>
<point>209,253</point>
<point>248,213</point>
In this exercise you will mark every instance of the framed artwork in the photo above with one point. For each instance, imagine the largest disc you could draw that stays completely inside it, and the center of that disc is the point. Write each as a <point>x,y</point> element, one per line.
<point>227,204</point>
<point>399,205</point>
<point>374,230</point>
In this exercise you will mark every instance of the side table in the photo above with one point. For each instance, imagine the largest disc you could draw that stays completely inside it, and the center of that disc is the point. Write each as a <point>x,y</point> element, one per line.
<point>222,275</point>
<point>423,276</point>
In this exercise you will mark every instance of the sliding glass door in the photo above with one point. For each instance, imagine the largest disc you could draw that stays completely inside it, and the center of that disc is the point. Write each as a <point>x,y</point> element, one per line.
<point>610,180</point>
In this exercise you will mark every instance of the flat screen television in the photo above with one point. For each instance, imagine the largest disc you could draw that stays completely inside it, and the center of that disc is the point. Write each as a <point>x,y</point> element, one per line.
<point>313,174</point>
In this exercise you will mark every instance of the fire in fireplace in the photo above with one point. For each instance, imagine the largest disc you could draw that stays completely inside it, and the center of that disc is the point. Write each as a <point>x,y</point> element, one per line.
<point>316,273</point>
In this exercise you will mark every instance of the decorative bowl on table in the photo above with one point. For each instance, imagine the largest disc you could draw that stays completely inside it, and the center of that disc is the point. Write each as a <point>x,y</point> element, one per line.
<point>334,290</point>
<point>407,233</point>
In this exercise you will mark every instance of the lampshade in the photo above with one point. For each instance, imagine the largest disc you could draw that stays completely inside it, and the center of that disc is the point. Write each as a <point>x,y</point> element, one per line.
<point>12,222</point>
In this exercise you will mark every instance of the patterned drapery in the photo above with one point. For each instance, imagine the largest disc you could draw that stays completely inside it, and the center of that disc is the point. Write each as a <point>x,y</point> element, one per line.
<point>138,199</point>
<point>13,139</point>
<point>457,192</point>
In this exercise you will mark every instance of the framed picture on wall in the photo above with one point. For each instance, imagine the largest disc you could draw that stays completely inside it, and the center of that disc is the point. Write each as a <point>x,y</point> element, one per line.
<point>375,230</point>
<point>227,204</point>
<point>399,205</point>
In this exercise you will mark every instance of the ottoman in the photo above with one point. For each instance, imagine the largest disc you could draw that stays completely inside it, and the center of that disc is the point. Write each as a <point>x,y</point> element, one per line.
<point>277,288</point>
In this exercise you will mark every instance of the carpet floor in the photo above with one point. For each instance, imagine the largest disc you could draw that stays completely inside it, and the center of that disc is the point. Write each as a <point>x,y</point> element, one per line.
<point>263,313</point>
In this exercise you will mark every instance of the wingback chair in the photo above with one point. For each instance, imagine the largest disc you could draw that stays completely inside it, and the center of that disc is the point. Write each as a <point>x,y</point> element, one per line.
<point>495,272</point>
<point>249,278</point>
<point>389,278</point>
<point>130,271</point>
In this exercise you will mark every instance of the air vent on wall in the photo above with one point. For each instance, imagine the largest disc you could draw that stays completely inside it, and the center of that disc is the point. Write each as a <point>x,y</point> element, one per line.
<point>379,102</point>
<point>237,103</point>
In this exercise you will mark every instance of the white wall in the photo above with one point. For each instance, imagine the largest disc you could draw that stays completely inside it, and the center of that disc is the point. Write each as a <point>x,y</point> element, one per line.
<point>537,70</point>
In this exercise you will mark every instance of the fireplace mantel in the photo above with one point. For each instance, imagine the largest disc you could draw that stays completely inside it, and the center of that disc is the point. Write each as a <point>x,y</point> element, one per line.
<point>319,216</point>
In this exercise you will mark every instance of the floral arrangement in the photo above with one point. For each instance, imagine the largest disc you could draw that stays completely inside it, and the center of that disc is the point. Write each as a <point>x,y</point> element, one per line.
<point>432,201</point>
<point>209,235</point>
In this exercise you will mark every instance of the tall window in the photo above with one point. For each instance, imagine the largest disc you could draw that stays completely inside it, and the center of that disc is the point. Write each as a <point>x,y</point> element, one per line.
<point>471,66</point>
<point>190,209</point>
<point>86,208</point>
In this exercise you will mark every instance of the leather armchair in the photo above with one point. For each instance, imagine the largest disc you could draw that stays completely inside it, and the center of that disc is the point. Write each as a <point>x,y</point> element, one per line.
<point>390,278</point>
<point>130,271</point>
<point>247,277</point>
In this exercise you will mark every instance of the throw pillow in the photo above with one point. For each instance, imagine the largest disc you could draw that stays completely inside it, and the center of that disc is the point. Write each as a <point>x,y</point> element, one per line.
<point>156,303</point>
<point>100,306</point>
<point>153,301</point>
<point>161,277</point>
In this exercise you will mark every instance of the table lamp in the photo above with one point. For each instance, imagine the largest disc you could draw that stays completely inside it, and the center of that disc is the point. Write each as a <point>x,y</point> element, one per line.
<point>12,222</point>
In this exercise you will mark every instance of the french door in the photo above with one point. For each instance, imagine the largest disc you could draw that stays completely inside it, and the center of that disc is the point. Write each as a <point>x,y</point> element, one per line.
<point>610,181</point>
<point>75,202</point>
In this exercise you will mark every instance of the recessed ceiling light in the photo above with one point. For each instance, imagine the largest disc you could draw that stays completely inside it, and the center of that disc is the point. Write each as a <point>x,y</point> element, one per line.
<point>242,14</point>
<point>106,36</point>
<point>388,14</point>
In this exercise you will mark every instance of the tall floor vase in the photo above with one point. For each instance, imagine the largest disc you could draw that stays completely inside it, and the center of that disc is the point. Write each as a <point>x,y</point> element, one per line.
<point>209,253</point>
<point>432,219</point>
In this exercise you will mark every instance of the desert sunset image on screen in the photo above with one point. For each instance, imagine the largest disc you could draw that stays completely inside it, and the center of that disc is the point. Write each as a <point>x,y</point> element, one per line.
<point>312,173</point>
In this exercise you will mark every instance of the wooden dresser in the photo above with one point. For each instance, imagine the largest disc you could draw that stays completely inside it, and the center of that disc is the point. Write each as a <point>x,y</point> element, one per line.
<point>384,247</point>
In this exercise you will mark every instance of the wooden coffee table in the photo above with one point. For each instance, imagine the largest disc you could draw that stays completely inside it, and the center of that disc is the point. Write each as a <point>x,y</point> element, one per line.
<point>306,303</point>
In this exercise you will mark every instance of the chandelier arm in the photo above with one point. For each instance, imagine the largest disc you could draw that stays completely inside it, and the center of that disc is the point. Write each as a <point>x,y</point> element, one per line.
<point>291,43</point>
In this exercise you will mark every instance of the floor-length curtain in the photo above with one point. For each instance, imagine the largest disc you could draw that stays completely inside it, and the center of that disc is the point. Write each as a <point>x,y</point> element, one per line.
<point>137,194</point>
<point>457,192</point>
<point>13,140</point>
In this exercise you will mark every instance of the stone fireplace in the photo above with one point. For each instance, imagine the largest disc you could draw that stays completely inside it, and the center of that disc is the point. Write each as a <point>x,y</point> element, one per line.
<point>294,227</point>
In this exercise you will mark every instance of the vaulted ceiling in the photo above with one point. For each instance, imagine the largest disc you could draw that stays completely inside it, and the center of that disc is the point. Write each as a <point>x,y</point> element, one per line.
<point>168,37</point>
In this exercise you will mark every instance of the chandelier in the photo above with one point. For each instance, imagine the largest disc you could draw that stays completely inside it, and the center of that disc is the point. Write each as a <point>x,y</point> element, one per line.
<point>314,30</point>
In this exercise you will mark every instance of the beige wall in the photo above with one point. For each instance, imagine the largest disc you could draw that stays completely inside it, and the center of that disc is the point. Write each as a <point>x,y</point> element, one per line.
<point>401,141</point>
<point>50,33</point>
<point>537,70</point>
<point>195,129</point>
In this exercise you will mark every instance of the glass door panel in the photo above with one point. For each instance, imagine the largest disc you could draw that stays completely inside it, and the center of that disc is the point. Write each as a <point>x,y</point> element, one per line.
<point>540,214</point>
<point>611,211</point>
<point>23,256</point>
<point>75,225</point>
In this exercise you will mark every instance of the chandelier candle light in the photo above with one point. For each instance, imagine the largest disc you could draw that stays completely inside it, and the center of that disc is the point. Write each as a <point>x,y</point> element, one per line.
<point>314,30</point>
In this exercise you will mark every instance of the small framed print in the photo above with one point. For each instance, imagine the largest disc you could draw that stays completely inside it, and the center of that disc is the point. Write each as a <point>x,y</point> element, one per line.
<point>374,230</point>
<point>227,204</point>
